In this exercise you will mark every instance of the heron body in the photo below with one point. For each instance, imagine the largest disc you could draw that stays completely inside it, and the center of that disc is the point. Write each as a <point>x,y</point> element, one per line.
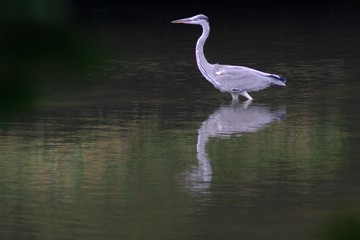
<point>236,80</point>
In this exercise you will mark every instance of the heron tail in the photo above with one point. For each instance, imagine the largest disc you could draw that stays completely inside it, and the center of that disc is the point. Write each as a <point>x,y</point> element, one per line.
<point>279,80</point>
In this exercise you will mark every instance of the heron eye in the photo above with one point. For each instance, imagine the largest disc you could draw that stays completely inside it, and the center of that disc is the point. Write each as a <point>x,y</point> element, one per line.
<point>204,18</point>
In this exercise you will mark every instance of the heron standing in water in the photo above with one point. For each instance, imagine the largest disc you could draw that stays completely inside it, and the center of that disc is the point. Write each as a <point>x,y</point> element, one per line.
<point>236,80</point>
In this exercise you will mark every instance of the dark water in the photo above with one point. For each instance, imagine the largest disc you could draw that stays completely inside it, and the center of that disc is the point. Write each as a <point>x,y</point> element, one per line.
<point>145,148</point>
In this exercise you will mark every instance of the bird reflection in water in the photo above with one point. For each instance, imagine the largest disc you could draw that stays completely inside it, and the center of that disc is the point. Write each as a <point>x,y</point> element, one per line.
<point>226,121</point>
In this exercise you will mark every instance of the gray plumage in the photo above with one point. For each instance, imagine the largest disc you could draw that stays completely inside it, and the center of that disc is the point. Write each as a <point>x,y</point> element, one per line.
<point>236,80</point>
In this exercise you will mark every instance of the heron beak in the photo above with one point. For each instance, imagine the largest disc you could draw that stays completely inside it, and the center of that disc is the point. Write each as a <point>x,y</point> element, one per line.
<point>183,20</point>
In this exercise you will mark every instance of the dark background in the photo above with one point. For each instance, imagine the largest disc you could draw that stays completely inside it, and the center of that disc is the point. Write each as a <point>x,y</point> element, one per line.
<point>41,36</point>
<point>136,11</point>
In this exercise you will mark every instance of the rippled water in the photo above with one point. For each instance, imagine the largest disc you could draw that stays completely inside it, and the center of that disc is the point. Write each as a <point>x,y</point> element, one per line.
<point>145,148</point>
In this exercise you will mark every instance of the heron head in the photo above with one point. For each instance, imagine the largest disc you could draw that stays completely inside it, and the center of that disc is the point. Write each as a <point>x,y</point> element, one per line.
<point>197,19</point>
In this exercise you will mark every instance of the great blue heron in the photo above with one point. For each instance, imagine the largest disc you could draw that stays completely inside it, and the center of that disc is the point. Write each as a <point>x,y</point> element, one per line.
<point>236,80</point>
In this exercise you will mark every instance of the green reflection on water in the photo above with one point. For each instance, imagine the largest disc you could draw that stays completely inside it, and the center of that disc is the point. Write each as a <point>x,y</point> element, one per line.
<point>98,176</point>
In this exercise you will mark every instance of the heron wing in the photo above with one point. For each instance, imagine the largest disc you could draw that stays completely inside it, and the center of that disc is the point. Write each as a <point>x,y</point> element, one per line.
<point>238,79</point>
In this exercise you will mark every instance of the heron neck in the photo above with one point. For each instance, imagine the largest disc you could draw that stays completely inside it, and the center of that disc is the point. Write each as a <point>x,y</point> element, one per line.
<point>199,51</point>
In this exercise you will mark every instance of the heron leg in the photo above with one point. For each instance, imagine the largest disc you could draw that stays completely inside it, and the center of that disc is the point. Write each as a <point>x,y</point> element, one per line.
<point>247,103</point>
<point>245,94</point>
<point>235,96</point>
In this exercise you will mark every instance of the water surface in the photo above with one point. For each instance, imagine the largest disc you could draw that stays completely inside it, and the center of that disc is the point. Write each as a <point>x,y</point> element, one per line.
<point>145,148</point>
